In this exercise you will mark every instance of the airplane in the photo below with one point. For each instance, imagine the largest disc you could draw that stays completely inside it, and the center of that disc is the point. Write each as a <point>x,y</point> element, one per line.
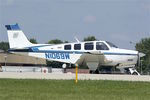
<point>94,54</point>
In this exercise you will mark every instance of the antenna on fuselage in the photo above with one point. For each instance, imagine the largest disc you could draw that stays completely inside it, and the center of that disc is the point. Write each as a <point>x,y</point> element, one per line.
<point>77,39</point>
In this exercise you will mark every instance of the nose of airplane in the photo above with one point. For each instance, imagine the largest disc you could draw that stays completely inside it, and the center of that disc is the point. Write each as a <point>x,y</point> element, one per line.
<point>133,52</point>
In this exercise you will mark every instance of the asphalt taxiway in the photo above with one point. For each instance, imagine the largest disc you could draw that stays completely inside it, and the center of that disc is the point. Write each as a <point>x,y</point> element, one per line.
<point>69,76</point>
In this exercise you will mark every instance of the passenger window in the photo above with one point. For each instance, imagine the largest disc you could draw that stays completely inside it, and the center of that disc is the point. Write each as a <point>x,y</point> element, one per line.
<point>101,46</point>
<point>67,47</point>
<point>88,46</point>
<point>77,46</point>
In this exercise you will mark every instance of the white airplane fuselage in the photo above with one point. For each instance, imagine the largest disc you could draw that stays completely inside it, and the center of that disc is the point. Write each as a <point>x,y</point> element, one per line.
<point>93,53</point>
<point>93,58</point>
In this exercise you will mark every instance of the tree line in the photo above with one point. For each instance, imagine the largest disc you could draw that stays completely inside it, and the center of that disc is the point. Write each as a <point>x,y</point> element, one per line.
<point>142,46</point>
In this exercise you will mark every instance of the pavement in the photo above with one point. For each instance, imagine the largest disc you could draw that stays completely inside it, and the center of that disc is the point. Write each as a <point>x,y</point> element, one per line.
<point>69,76</point>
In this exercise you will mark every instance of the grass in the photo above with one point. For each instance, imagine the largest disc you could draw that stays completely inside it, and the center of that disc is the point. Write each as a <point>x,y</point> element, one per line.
<point>13,89</point>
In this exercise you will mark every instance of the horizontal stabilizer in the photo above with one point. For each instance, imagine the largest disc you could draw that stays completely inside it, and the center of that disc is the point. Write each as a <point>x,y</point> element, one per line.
<point>12,27</point>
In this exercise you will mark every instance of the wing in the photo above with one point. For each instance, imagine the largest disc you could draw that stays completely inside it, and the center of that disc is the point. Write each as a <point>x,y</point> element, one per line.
<point>93,56</point>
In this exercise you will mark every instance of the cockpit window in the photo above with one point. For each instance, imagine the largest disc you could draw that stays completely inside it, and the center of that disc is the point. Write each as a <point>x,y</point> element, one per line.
<point>101,46</point>
<point>111,44</point>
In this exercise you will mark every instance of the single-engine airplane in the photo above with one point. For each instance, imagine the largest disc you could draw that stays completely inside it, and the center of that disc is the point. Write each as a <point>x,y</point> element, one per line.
<point>94,54</point>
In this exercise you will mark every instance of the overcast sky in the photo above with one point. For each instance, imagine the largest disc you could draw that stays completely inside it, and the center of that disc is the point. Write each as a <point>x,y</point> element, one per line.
<point>117,21</point>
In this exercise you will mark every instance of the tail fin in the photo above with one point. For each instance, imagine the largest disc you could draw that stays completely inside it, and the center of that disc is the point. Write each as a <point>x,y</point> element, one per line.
<point>16,37</point>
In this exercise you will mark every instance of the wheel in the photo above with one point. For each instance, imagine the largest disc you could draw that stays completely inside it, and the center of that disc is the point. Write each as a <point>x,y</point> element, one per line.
<point>96,71</point>
<point>134,73</point>
<point>92,72</point>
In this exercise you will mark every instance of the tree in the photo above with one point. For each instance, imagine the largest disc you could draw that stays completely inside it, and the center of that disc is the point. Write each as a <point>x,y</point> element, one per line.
<point>4,46</point>
<point>144,47</point>
<point>55,41</point>
<point>32,40</point>
<point>90,38</point>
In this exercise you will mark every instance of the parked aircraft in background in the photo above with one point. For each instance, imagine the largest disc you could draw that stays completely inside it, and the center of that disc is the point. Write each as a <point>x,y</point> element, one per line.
<point>94,54</point>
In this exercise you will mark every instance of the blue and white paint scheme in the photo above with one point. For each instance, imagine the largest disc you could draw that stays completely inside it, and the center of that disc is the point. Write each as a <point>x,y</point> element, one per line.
<point>92,53</point>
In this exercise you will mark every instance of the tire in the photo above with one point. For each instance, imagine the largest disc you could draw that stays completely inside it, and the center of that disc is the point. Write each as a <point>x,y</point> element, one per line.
<point>96,71</point>
<point>92,72</point>
<point>134,73</point>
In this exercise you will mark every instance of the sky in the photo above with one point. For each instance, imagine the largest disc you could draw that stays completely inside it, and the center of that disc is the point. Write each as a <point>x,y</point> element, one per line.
<point>117,21</point>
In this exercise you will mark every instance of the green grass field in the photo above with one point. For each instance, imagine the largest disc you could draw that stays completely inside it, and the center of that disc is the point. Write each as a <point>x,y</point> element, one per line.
<point>13,89</point>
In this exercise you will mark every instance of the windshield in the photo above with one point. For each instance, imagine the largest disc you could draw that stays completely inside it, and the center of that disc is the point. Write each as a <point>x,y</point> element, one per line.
<point>111,44</point>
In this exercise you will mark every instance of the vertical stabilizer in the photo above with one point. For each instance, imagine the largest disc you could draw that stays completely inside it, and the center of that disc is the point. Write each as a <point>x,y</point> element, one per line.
<point>16,37</point>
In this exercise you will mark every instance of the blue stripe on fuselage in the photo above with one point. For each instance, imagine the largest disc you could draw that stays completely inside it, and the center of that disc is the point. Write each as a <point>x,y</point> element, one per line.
<point>111,53</point>
<point>53,51</point>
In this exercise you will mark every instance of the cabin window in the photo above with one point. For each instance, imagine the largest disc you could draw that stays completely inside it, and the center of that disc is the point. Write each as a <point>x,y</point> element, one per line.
<point>88,46</point>
<point>77,46</point>
<point>101,46</point>
<point>67,47</point>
